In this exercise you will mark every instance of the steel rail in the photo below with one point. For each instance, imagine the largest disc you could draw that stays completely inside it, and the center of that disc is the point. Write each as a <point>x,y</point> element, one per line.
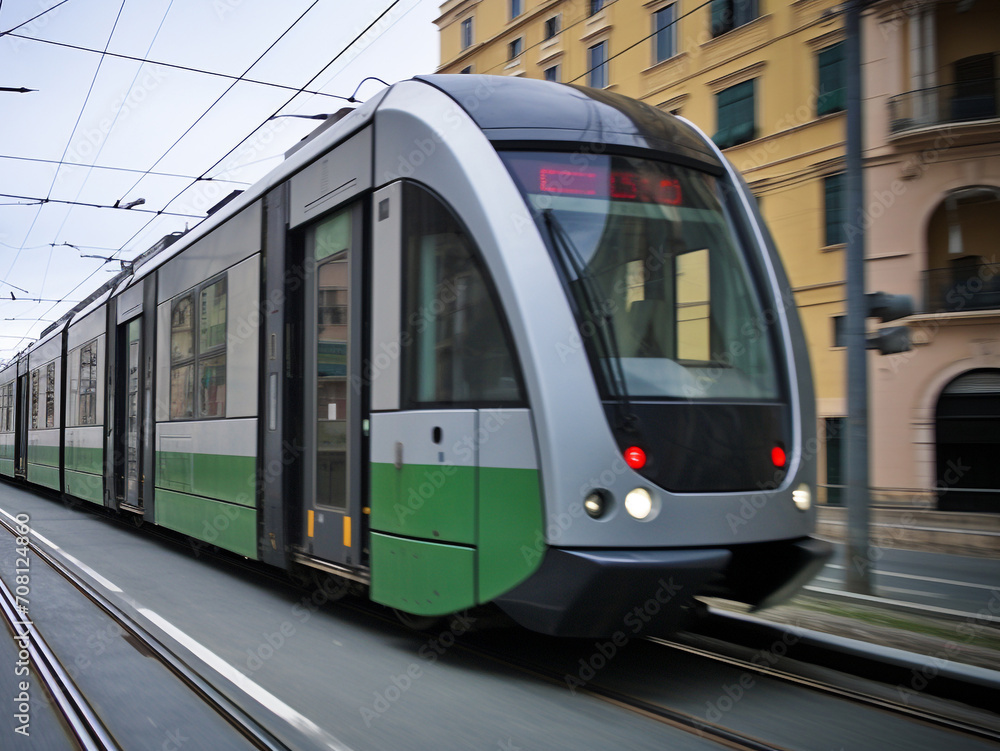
<point>82,722</point>
<point>859,697</point>
<point>231,712</point>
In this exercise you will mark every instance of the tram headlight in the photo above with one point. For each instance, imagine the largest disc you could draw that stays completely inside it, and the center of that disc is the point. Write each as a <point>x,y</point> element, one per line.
<point>595,504</point>
<point>802,497</point>
<point>639,503</point>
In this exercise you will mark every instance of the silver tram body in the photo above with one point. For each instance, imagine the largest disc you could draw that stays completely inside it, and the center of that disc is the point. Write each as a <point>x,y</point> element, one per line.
<point>417,354</point>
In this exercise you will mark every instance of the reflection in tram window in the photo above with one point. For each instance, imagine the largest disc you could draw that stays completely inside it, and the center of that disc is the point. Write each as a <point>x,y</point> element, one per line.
<point>331,248</point>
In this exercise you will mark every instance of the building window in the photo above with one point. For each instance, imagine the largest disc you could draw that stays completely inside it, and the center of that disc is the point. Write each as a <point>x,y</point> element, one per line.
<point>735,108</point>
<point>552,74</point>
<point>88,384</point>
<point>730,14</point>
<point>663,34</point>
<point>597,59</point>
<point>832,91</point>
<point>839,331</point>
<point>596,6</point>
<point>515,8</point>
<point>975,95</point>
<point>466,30</point>
<point>515,48</point>
<point>198,362</point>
<point>834,210</point>
<point>552,26</point>
<point>834,457</point>
<point>461,352</point>
<point>467,69</point>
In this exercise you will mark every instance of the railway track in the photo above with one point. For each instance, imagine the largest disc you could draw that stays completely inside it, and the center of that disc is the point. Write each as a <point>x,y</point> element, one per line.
<point>964,704</point>
<point>652,662</point>
<point>93,711</point>
<point>970,726</point>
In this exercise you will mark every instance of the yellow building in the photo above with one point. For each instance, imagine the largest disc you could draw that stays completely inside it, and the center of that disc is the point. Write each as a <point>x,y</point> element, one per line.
<point>764,78</point>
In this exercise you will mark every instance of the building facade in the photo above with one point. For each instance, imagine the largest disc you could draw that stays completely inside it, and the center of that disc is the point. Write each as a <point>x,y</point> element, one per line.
<point>765,79</point>
<point>932,214</point>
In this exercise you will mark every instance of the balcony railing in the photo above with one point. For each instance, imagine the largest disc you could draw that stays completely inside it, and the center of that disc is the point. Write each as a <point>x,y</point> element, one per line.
<point>944,105</point>
<point>972,287</point>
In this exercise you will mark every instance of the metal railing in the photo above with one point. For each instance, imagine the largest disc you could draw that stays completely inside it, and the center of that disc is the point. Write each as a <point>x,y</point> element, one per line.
<point>972,287</point>
<point>941,105</point>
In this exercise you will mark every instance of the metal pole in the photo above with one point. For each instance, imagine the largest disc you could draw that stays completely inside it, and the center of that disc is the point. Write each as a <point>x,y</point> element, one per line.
<point>857,565</point>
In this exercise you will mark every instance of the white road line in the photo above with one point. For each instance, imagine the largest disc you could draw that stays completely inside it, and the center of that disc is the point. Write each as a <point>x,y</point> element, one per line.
<point>897,590</point>
<point>33,532</point>
<point>252,689</point>
<point>108,585</point>
<point>90,572</point>
<point>982,615</point>
<point>880,572</point>
<point>919,593</point>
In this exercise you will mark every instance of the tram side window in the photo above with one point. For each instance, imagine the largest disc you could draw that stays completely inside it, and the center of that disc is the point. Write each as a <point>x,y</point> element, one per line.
<point>35,377</point>
<point>198,362</point>
<point>457,349</point>
<point>212,351</point>
<point>50,395</point>
<point>6,404</point>
<point>88,384</point>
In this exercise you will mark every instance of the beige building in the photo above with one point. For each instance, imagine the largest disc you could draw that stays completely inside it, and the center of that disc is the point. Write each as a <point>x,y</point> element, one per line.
<point>765,79</point>
<point>932,158</point>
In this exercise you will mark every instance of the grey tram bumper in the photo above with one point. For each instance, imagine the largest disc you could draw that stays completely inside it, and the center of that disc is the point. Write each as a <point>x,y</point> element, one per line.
<point>600,592</point>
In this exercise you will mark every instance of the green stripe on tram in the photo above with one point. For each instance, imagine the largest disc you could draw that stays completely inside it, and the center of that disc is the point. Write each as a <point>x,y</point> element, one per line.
<point>224,477</point>
<point>225,525</point>
<point>40,474</point>
<point>47,455</point>
<point>502,538</point>
<point>84,459</point>
<point>89,487</point>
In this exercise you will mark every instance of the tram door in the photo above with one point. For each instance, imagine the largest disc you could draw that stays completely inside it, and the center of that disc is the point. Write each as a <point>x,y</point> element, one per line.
<point>128,417</point>
<point>21,415</point>
<point>332,424</point>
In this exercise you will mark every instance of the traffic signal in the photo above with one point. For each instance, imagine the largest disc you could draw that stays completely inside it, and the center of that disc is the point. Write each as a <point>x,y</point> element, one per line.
<point>886,307</point>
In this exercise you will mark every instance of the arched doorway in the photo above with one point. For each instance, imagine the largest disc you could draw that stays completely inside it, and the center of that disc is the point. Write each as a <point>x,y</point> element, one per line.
<point>962,273</point>
<point>967,420</point>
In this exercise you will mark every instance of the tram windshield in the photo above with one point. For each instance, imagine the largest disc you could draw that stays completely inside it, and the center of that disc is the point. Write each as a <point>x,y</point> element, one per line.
<point>659,278</point>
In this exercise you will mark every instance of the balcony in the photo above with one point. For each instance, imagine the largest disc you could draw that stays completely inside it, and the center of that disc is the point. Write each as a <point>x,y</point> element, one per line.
<point>962,288</point>
<point>968,102</point>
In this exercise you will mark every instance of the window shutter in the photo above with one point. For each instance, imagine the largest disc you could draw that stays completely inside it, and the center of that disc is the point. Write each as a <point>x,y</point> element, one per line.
<point>831,80</point>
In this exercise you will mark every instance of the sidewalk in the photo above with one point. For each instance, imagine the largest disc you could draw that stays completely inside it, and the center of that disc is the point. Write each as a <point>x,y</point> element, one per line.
<point>966,534</point>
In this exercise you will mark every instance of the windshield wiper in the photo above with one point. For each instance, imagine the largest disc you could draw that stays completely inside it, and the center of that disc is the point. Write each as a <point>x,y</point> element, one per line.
<point>572,263</point>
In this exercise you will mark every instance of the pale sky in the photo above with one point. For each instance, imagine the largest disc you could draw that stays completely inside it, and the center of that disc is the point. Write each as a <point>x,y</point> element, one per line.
<point>144,117</point>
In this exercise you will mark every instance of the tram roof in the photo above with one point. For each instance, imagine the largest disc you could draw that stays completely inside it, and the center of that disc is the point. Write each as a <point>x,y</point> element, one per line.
<point>527,111</point>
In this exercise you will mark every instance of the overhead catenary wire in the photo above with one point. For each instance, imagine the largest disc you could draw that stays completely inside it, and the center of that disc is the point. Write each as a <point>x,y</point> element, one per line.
<point>218,99</point>
<point>174,66</point>
<point>69,141</point>
<point>107,167</point>
<point>35,200</point>
<point>33,18</point>
<point>301,90</point>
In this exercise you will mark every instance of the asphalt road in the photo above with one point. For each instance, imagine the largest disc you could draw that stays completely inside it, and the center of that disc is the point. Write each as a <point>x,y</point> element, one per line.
<point>931,580</point>
<point>330,677</point>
